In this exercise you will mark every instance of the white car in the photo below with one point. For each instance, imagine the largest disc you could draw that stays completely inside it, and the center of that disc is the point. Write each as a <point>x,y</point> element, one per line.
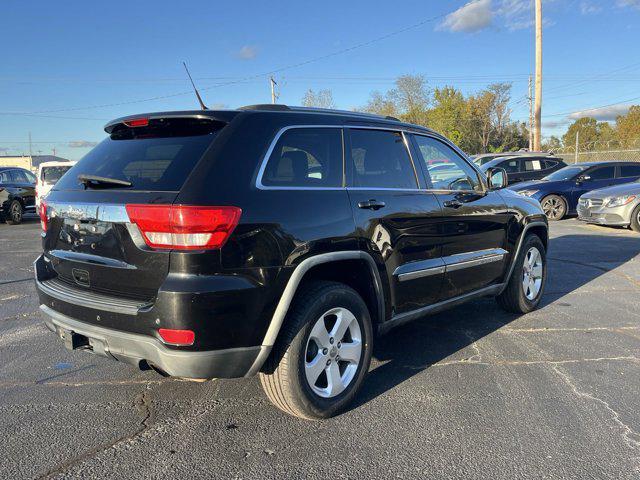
<point>48,174</point>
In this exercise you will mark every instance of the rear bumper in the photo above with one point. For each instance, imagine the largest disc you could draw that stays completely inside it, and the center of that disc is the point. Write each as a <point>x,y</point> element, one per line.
<point>135,349</point>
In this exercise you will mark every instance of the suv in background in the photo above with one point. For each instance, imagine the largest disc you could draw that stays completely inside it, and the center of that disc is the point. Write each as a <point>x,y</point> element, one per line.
<point>483,158</point>
<point>17,194</point>
<point>48,174</point>
<point>277,241</point>
<point>524,168</point>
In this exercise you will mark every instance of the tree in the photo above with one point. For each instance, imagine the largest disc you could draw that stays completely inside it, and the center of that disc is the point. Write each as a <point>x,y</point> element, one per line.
<point>409,100</point>
<point>591,131</point>
<point>628,127</point>
<point>449,114</point>
<point>322,99</point>
<point>553,143</point>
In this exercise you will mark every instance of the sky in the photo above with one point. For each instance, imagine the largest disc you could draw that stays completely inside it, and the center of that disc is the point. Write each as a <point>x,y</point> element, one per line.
<point>67,68</point>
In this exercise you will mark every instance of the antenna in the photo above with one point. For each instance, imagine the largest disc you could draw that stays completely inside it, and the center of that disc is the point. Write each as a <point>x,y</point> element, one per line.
<point>202,105</point>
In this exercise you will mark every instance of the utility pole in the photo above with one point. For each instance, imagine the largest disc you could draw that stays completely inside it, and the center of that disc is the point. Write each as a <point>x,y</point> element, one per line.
<point>577,146</point>
<point>530,97</point>
<point>30,146</point>
<point>274,97</point>
<point>538,106</point>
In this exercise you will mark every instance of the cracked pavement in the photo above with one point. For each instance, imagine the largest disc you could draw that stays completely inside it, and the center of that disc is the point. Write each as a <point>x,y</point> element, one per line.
<point>469,393</point>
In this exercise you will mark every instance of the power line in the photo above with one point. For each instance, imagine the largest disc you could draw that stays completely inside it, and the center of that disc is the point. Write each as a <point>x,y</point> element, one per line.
<point>269,73</point>
<point>592,108</point>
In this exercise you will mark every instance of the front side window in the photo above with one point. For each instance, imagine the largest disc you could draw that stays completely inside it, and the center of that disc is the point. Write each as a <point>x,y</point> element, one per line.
<point>603,173</point>
<point>306,157</point>
<point>380,159</point>
<point>446,169</point>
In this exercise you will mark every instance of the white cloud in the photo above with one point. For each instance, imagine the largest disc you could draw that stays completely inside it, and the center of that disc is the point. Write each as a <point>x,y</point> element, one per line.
<point>82,144</point>
<point>629,3</point>
<point>588,8</point>
<point>605,113</point>
<point>248,52</point>
<point>472,17</point>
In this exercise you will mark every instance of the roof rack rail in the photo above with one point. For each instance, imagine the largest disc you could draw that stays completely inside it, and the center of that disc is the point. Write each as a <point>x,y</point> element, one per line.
<point>282,108</point>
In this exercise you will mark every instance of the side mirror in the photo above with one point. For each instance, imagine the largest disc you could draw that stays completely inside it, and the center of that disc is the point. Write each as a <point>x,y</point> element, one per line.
<point>583,178</point>
<point>497,178</point>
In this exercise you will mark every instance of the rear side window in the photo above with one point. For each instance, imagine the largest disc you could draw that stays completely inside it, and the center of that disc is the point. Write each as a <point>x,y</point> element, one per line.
<point>603,173</point>
<point>379,159</point>
<point>19,176</point>
<point>50,175</point>
<point>630,171</point>
<point>159,157</point>
<point>306,157</point>
<point>4,177</point>
<point>533,165</point>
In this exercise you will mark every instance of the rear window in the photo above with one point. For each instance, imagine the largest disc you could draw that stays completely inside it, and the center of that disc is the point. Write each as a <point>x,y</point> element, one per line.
<point>158,157</point>
<point>630,171</point>
<point>51,175</point>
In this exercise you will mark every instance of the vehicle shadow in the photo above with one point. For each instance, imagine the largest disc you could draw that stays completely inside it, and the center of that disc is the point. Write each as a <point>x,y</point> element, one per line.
<point>573,261</point>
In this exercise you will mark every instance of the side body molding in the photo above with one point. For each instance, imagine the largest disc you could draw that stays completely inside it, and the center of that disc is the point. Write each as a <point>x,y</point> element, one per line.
<point>292,286</point>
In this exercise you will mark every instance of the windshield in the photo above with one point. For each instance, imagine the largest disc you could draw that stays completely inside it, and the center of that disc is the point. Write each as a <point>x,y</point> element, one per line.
<point>50,175</point>
<point>566,173</point>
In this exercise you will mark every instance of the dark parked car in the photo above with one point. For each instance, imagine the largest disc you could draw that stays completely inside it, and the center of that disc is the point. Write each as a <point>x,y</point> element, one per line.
<point>559,192</point>
<point>277,241</point>
<point>483,158</point>
<point>17,194</point>
<point>523,168</point>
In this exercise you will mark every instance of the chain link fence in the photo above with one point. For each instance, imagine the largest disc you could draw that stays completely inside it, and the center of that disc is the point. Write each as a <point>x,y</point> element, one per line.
<point>601,152</point>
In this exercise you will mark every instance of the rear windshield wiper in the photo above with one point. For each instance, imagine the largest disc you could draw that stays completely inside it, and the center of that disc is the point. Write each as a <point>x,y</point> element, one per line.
<point>94,180</point>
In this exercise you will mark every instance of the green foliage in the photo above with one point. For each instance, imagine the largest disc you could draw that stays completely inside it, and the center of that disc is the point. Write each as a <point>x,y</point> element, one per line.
<point>628,128</point>
<point>477,124</point>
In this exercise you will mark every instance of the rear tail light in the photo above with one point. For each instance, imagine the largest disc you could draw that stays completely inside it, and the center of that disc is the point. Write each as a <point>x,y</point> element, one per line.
<point>184,227</point>
<point>42,212</point>
<point>177,337</point>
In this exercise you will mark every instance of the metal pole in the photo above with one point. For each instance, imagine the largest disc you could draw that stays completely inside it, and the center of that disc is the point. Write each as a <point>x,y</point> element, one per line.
<point>538,106</point>
<point>530,113</point>
<point>577,145</point>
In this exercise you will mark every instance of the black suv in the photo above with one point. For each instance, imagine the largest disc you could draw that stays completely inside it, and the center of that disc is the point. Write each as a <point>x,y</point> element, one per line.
<point>17,193</point>
<point>275,240</point>
<point>524,168</point>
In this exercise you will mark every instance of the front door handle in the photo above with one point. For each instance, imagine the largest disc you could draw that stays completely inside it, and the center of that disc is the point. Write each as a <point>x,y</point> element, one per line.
<point>455,203</point>
<point>371,204</point>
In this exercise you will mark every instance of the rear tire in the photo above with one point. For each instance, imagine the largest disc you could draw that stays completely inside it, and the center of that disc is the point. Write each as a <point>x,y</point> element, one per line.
<point>526,285</point>
<point>635,219</point>
<point>14,214</point>
<point>554,207</point>
<point>327,336</point>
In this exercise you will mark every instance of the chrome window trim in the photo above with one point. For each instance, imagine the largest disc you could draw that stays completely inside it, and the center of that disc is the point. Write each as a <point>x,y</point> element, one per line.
<point>272,146</point>
<point>279,133</point>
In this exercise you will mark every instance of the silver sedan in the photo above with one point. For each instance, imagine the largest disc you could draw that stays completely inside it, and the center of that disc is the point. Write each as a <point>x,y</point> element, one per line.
<point>619,205</point>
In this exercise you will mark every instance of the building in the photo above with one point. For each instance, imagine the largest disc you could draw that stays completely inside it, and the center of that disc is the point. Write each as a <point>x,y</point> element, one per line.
<point>28,162</point>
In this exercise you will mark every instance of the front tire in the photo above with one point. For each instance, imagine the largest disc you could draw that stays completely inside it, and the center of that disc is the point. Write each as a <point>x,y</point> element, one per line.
<point>14,214</point>
<point>322,354</point>
<point>554,207</point>
<point>525,287</point>
<point>635,219</point>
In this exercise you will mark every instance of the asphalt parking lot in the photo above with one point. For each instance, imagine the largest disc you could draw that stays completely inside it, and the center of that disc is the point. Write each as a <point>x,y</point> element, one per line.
<point>469,393</point>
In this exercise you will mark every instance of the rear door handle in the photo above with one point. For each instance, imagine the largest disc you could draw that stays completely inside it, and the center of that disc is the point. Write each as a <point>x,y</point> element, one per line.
<point>371,204</point>
<point>453,203</point>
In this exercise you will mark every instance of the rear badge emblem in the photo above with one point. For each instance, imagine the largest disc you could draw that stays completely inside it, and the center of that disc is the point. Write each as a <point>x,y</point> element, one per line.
<point>81,277</point>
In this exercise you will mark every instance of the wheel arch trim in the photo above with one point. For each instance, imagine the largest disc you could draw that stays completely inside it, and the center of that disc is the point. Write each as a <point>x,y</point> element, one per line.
<point>280,313</point>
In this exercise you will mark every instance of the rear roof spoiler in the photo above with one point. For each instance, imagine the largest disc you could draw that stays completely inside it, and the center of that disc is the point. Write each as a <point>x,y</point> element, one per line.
<point>224,116</point>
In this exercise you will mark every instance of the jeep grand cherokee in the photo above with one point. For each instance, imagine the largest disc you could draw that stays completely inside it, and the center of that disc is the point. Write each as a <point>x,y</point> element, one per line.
<point>276,241</point>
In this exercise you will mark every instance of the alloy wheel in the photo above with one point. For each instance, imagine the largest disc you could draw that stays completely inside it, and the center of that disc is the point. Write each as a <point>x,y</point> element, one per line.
<point>532,273</point>
<point>16,212</point>
<point>333,352</point>
<point>553,208</point>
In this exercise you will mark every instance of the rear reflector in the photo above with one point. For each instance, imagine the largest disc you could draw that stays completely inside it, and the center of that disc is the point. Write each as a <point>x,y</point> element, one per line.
<point>184,227</point>
<point>177,337</point>
<point>42,212</point>
<point>137,122</point>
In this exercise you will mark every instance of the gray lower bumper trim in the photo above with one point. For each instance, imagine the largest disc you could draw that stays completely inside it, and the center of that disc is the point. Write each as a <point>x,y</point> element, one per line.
<point>133,348</point>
